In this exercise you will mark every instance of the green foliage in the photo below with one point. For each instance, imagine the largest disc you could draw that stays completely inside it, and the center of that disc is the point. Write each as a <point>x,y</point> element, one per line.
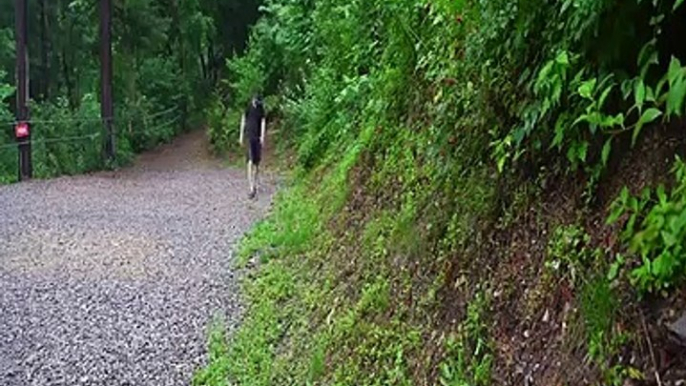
<point>390,108</point>
<point>249,79</point>
<point>223,125</point>
<point>249,357</point>
<point>571,257</point>
<point>289,231</point>
<point>167,57</point>
<point>671,100</point>
<point>469,361</point>
<point>570,92</point>
<point>676,78</point>
<point>375,297</point>
<point>5,92</point>
<point>599,307</point>
<point>7,148</point>
<point>215,374</point>
<point>70,141</point>
<point>569,253</point>
<point>655,230</point>
<point>81,153</point>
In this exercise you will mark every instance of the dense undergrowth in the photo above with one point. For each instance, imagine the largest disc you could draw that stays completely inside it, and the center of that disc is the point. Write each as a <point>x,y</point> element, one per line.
<point>457,162</point>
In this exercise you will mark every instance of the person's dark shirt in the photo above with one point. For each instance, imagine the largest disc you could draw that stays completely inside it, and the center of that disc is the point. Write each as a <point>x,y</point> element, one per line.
<point>253,121</point>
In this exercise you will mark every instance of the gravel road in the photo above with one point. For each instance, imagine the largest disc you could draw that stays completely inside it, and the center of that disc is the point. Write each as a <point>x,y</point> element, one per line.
<point>113,278</point>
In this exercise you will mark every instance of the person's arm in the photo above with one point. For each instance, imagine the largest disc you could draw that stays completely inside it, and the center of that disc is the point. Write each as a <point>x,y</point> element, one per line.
<point>242,129</point>
<point>263,136</point>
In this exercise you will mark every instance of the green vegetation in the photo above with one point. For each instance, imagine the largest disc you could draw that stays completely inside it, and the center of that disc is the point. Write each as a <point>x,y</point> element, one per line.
<point>468,360</point>
<point>453,164</point>
<point>655,231</point>
<point>434,142</point>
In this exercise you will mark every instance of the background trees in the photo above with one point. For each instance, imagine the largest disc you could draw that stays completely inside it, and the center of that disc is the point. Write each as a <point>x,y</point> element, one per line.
<point>168,57</point>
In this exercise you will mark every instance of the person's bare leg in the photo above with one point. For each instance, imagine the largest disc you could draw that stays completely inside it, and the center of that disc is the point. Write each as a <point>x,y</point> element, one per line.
<point>257,177</point>
<point>250,180</point>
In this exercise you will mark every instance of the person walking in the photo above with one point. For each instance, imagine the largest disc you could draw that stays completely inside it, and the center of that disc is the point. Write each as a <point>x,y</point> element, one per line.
<point>254,127</point>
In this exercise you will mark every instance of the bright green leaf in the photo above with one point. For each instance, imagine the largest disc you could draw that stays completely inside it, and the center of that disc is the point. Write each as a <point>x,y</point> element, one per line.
<point>586,88</point>
<point>624,194</point>
<point>661,194</point>
<point>640,94</point>
<point>614,270</point>
<point>650,94</point>
<point>618,120</point>
<point>674,71</point>
<point>615,215</point>
<point>668,238</point>
<point>604,95</point>
<point>675,97</point>
<point>501,164</point>
<point>562,58</point>
<point>648,116</point>
<point>559,132</point>
<point>626,88</point>
<point>646,50</point>
<point>606,151</point>
<point>5,91</point>
<point>582,118</point>
<point>582,151</point>
<point>610,121</point>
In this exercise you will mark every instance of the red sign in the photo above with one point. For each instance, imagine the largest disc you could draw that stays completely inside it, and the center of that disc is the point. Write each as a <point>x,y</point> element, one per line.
<point>21,130</point>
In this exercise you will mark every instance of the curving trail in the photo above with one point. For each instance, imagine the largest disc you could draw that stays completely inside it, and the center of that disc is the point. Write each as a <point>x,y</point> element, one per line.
<point>113,278</point>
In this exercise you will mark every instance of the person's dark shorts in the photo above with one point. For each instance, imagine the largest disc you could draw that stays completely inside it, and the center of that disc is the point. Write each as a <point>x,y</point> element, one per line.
<point>255,152</point>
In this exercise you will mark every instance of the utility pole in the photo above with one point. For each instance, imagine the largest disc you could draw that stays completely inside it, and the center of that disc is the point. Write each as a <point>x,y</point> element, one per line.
<point>106,102</point>
<point>22,129</point>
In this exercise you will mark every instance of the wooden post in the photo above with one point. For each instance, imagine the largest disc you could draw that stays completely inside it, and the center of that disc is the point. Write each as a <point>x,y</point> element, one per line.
<point>23,135</point>
<point>106,102</point>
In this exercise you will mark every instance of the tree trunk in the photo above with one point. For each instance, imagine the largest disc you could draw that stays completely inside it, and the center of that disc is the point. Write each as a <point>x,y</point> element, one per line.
<point>67,78</point>
<point>203,65</point>
<point>211,61</point>
<point>45,51</point>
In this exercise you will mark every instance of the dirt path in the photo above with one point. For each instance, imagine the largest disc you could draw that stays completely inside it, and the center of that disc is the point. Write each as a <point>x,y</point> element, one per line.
<point>112,278</point>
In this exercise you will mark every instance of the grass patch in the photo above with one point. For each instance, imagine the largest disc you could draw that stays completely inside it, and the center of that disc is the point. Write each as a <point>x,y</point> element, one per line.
<point>291,228</point>
<point>469,361</point>
<point>248,358</point>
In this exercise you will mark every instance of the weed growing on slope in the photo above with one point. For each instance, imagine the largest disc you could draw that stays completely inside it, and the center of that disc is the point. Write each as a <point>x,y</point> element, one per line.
<point>216,372</point>
<point>290,230</point>
<point>571,257</point>
<point>469,359</point>
<point>248,357</point>
<point>568,252</point>
<point>655,230</point>
<point>599,308</point>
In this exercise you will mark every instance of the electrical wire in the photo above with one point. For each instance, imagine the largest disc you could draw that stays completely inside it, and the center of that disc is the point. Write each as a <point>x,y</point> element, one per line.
<point>74,139</point>
<point>90,120</point>
<point>47,141</point>
<point>65,139</point>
